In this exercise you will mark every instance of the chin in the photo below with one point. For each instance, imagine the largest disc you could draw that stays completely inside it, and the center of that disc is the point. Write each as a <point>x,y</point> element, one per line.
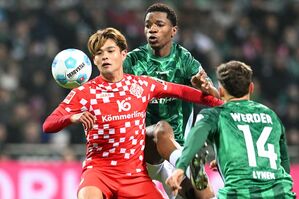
<point>155,46</point>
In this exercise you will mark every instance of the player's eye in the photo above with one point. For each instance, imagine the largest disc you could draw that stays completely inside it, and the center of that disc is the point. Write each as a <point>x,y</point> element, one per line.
<point>160,24</point>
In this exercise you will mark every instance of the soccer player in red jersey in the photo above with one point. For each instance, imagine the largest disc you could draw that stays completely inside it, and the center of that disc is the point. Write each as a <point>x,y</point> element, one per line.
<point>112,109</point>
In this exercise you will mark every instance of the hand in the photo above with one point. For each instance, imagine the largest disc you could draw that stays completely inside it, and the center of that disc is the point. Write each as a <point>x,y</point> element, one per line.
<point>200,81</point>
<point>86,118</point>
<point>213,165</point>
<point>175,180</point>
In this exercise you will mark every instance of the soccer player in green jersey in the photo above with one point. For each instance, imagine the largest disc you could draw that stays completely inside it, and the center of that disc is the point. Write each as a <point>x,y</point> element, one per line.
<point>166,60</point>
<point>248,138</point>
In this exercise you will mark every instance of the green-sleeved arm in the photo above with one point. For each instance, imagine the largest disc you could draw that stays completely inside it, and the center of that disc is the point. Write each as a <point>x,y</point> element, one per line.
<point>195,140</point>
<point>284,156</point>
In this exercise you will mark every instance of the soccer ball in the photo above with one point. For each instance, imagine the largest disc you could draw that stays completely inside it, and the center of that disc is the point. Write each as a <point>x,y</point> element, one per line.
<point>71,68</point>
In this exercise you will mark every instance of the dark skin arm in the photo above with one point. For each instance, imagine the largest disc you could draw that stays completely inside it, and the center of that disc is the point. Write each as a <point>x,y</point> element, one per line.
<point>201,81</point>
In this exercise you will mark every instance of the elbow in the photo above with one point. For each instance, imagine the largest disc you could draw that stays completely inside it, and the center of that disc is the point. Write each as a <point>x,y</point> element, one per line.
<point>47,128</point>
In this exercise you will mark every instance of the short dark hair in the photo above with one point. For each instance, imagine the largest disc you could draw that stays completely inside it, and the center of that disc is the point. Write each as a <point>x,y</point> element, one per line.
<point>235,77</point>
<point>160,7</point>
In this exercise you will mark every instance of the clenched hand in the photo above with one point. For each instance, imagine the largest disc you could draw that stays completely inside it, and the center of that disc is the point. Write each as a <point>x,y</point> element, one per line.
<point>86,118</point>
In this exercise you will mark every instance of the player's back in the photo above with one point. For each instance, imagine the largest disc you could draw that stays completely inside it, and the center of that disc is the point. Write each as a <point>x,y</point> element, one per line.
<point>249,142</point>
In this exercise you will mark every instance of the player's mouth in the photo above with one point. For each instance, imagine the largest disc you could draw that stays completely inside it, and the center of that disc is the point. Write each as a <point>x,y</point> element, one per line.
<point>106,65</point>
<point>153,39</point>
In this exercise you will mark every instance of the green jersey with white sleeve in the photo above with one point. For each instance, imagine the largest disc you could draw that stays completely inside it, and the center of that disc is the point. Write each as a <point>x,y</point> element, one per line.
<point>250,146</point>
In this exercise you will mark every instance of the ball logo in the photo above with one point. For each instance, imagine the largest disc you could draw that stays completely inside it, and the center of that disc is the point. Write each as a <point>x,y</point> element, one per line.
<point>75,71</point>
<point>123,105</point>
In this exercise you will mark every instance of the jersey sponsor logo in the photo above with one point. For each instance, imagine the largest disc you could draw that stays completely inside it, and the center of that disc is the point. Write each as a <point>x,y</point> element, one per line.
<point>69,97</point>
<point>136,90</point>
<point>123,105</point>
<point>135,114</point>
<point>162,100</point>
<point>103,95</point>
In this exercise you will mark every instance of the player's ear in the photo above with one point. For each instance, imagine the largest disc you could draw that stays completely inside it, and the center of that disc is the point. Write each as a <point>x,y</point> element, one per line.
<point>94,61</point>
<point>124,54</point>
<point>174,31</point>
<point>251,88</point>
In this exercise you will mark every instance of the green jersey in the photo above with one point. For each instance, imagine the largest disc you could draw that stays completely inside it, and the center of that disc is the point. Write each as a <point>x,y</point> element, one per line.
<point>250,146</point>
<point>178,67</point>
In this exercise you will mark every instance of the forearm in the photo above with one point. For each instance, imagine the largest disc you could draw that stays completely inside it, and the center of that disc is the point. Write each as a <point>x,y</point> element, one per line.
<point>55,122</point>
<point>213,91</point>
<point>190,94</point>
<point>195,140</point>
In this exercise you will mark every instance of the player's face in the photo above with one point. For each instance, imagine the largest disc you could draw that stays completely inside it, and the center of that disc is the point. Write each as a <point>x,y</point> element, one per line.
<point>158,30</point>
<point>109,60</point>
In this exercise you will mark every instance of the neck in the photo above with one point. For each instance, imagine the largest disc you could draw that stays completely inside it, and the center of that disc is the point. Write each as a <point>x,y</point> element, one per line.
<point>232,98</point>
<point>163,51</point>
<point>112,77</point>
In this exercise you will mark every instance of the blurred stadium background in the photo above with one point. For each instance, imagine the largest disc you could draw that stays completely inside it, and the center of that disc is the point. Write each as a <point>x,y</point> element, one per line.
<point>33,165</point>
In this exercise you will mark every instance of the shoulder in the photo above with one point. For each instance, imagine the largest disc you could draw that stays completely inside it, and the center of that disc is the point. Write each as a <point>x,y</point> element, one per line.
<point>186,57</point>
<point>266,109</point>
<point>209,114</point>
<point>137,78</point>
<point>86,87</point>
<point>137,52</point>
<point>182,51</point>
<point>77,94</point>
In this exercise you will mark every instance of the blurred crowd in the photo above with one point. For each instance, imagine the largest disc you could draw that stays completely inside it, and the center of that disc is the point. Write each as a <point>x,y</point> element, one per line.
<point>262,33</point>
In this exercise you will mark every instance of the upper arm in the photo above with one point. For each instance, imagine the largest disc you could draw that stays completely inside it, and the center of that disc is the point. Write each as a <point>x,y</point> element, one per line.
<point>192,66</point>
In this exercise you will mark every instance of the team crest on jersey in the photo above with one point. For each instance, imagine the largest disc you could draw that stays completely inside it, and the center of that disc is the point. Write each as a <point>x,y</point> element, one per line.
<point>69,97</point>
<point>136,90</point>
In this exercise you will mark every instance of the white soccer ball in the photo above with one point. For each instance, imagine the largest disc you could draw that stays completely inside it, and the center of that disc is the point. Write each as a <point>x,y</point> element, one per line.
<point>71,68</point>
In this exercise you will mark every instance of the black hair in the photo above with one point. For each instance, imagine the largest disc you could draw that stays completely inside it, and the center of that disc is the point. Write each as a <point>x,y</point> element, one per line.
<point>160,7</point>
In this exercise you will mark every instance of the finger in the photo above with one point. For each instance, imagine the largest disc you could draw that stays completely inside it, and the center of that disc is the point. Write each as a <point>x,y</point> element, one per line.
<point>88,122</point>
<point>200,73</point>
<point>85,124</point>
<point>175,193</point>
<point>91,117</point>
<point>195,82</point>
<point>203,78</point>
<point>206,86</point>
